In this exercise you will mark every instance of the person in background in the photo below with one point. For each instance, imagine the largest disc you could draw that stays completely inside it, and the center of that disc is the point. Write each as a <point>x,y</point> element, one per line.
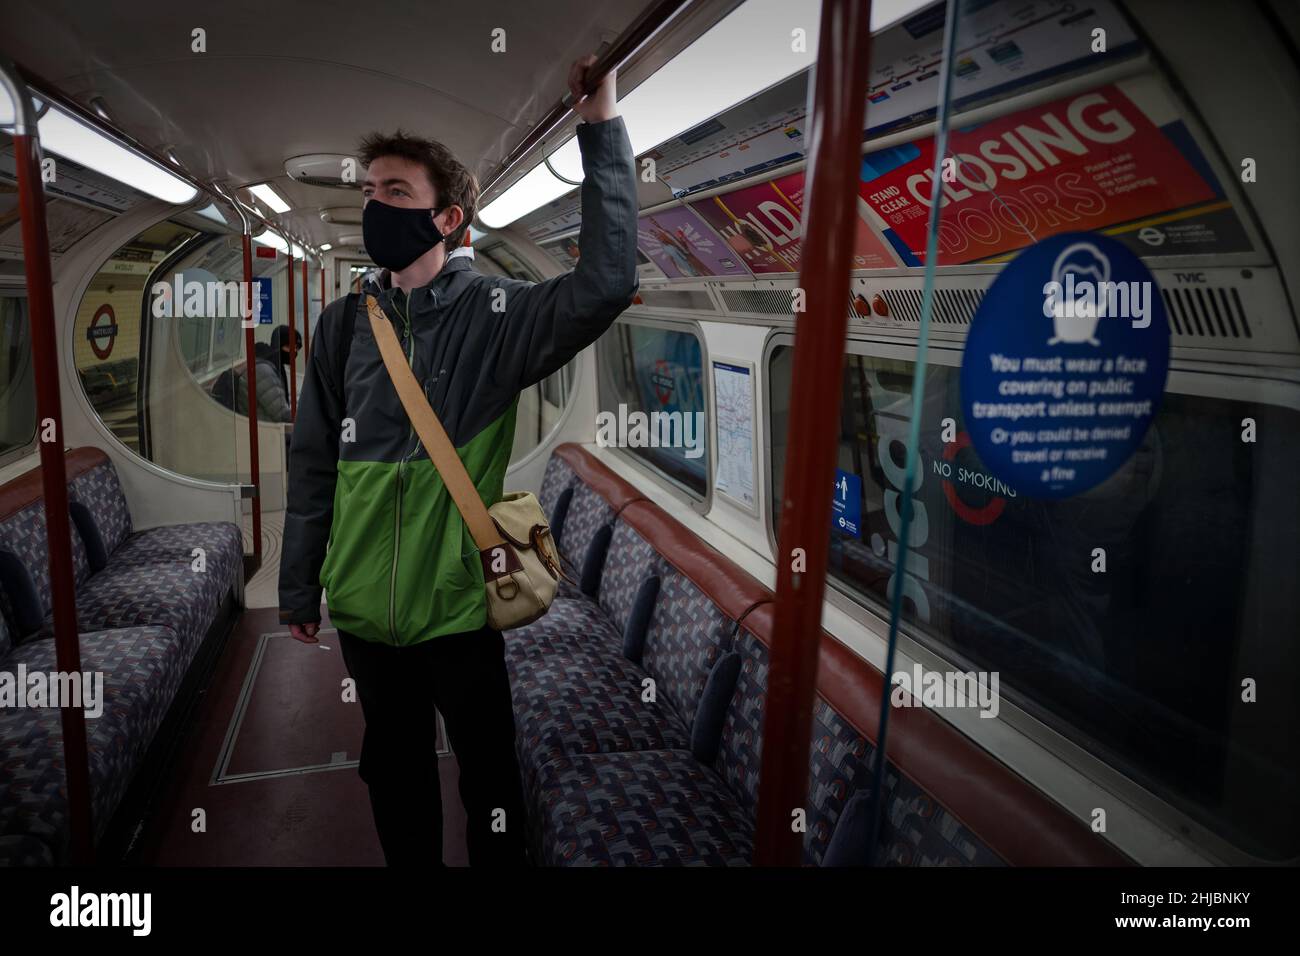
<point>272,378</point>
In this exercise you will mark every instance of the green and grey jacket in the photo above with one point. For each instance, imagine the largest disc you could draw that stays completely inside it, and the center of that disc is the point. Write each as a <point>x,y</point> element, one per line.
<point>368,517</point>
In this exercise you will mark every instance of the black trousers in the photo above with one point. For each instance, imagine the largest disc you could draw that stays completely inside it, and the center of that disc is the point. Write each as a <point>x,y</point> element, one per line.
<point>464,677</point>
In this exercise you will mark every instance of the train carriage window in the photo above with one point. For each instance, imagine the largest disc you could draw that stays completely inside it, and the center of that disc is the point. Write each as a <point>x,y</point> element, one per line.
<point>1151,664</point>
<point>1143,665</point>
<point>652,399</point>
<point>159,372</point>
<point>107,345</point>
<point>539,411</point>
<point>17,383</point>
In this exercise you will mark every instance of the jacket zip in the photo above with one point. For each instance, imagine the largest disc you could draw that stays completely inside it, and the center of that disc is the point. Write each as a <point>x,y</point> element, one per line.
<point>401,466</point>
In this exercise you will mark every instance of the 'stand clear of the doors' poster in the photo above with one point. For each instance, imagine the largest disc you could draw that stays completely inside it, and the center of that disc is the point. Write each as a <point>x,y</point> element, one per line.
<point>1117,159</point>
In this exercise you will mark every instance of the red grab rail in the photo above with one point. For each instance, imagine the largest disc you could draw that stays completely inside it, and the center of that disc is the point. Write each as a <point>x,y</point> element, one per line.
<point>834,157</point>
<point>250,347</point>
<point>293,331</point>
<point>49,410</point>
<point>306,319</point>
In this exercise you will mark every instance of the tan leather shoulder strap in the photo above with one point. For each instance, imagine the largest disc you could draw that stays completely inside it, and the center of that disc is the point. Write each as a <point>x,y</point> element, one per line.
<point>441,451</point>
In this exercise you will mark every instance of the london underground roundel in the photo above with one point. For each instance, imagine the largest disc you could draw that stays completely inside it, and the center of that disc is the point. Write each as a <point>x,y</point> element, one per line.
<point>1065,365</point>
<point>102,331</point>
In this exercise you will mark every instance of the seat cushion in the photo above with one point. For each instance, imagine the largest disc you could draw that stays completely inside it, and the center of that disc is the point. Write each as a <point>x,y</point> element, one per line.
<point>588,513</point>
<point>28,594</point>
<point>100,491</point>
<point>572,624</point>
<point>223,548</point>
<point>839,765</point>
<point>151,579</point>
<point>839,756</point>
<point>740,747</point>
<point>642,808</point>
<point>629,562</point>
<point>559,477</point>
<point>686,636</point>
<point>164,594</point>
<point>143,668</point>
<point>568,588</point>
<point>25,850</point>
<point>582,702</point>
<point>916,831</point>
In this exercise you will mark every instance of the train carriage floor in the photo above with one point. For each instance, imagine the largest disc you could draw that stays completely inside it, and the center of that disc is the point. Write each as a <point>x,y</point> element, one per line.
<point>270,757</point>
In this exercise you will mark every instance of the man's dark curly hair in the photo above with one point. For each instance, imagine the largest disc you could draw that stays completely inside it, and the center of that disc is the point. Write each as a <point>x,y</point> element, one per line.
<point>455,185</point>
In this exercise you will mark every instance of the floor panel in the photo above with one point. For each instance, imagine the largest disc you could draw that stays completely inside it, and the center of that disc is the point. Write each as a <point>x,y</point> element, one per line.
<point>271,761</point>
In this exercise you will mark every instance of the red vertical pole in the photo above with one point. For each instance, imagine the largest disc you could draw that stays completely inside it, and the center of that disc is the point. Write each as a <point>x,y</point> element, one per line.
<point>306,318</point>
<point>250,348</point>
<point>54,477</point>
<point>834,157</point>
<point>293,323</point>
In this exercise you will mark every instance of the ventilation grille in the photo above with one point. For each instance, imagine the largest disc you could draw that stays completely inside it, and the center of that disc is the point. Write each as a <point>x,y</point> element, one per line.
<point>329,183</point>
<point>1206,312</point>
<point>759,301</point>
<point>693,299</point>
<point>951,306</point>
<point>1202,312</point>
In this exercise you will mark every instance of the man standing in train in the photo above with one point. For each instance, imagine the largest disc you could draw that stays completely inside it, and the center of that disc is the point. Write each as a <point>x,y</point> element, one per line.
<point>369,519</point>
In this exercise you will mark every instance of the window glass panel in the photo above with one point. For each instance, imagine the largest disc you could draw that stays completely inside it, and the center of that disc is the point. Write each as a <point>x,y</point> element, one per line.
<point>539,410</point>
<point>17,383</point>
<point>1142,664</point>
<point>652,399</point>
<point>107,342</point>
<point>163,375</point>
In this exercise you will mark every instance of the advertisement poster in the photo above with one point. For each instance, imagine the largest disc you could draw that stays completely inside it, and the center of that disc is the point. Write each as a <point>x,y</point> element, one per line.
<point>869,250</point>
<point>759,225</point>
<point>1093,161</point>
<point>683,246</point>
<point>645,269</point>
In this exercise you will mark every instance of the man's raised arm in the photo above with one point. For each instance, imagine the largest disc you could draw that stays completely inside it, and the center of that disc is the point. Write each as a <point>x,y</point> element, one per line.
<point>548,323</point>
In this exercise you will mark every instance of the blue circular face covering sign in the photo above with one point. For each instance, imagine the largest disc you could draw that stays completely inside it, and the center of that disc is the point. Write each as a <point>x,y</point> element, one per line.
<point>1065,365</point>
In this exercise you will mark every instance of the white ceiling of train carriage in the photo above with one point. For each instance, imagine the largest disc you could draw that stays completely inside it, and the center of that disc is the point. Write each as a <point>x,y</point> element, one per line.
<point>285,79</point>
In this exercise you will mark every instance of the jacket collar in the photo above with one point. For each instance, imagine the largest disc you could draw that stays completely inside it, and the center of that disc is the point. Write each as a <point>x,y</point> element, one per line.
<point>442,290</point>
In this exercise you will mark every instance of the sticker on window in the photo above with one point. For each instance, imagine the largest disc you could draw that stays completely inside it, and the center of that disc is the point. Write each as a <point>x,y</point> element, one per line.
<point>846,505</point>
<point>1065,365</point>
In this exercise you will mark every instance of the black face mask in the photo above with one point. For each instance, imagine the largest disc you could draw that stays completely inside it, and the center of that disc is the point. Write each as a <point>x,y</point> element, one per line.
<point>395,237</point>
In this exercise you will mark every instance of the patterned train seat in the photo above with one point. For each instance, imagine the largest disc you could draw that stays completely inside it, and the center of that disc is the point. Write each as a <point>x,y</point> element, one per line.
<point>639,705</point>
<point>145,601</point>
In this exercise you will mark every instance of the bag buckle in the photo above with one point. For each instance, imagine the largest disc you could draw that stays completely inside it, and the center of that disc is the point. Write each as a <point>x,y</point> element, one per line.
<point>499,561</point>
